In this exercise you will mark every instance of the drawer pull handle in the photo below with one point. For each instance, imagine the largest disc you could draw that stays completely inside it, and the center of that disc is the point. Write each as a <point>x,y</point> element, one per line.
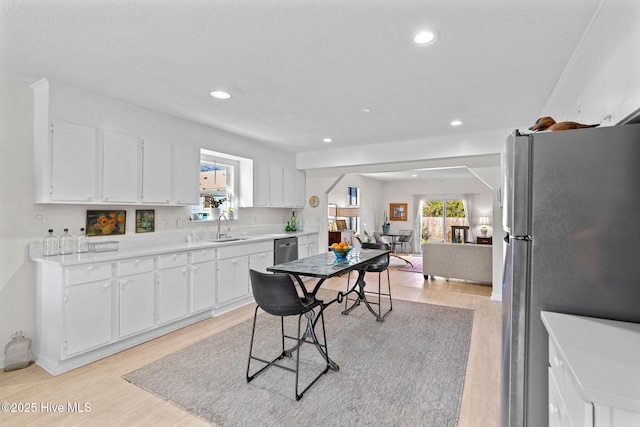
<point>553,408</point>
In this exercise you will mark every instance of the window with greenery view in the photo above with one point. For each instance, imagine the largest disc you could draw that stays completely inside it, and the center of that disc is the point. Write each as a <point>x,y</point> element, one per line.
<point>438,216</point>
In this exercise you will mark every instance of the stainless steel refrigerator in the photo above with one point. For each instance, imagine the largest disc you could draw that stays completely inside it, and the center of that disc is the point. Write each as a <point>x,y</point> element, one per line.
<point>572,215</point>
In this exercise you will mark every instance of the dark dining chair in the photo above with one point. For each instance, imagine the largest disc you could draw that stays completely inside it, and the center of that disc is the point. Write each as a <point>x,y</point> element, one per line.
<point>276,294</point>
<point>404,239</point>
<point>379,266</point>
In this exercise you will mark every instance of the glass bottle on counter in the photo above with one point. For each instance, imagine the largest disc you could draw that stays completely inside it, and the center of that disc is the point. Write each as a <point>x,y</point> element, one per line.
<point>293,221</point>
<point>50,244</point>
<point>66,243</point>
<point>82,242</point>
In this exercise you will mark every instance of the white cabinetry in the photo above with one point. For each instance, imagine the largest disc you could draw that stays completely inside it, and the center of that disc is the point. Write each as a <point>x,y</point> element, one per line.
<point>88,310</point>
<point>120,166</point>
<point>186,175</point>
<point>136,300</point>
<point>593,374</point>
<point>261,178</point>
<point>233,284</point>
<point>300,188</point>
<point>278,187</point>
<point>156,172</point>
<point>72,163</point>
<point>203,280</point>
<point>307,246</point>
<point>173,287</point>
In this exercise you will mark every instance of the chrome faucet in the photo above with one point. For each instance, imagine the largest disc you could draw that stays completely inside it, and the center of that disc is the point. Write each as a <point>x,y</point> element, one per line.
<point>226,221</point>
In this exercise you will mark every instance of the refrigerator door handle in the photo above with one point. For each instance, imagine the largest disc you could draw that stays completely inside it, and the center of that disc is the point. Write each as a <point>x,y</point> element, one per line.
<point>526,238</point>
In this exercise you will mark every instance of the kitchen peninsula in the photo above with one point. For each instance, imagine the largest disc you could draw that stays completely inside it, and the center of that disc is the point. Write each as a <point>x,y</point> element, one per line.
<point>91,305</point>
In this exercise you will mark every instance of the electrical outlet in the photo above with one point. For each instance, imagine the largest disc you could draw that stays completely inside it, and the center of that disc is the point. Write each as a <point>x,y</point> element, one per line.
<point>179,223</point>
<point>165,224</point>
<point>38,217</point>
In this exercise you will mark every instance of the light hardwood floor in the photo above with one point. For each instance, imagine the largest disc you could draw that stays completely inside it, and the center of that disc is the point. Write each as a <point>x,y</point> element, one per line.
<point>115,402</point>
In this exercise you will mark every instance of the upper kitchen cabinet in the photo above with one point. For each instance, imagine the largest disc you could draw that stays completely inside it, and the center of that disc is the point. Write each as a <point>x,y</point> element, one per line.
<point>278,187</point>
<point>81,156</point>
<point>156,172</point>
<point>186,178</point>
<point>120,167</point>
<point>73,162</point>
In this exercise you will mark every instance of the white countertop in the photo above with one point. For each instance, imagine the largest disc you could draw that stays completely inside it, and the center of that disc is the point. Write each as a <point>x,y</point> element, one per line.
<point>150,248</point>
<point>602,355</point>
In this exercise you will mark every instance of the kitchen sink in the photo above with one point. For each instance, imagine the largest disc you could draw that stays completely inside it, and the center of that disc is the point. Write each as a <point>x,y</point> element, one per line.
<point>227,239</point>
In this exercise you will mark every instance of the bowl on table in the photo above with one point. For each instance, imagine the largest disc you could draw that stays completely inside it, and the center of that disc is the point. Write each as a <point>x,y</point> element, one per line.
<point>341,251</point>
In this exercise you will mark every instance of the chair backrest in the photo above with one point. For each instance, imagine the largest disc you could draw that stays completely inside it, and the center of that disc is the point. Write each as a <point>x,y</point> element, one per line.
<point>406,235</point>
<point>379,238</point>
<point>276,293</point>
<point>381,263</point>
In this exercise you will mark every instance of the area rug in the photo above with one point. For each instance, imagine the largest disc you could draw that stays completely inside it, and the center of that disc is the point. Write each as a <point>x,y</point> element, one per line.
<point>416,268</point>
<point>407,370</point>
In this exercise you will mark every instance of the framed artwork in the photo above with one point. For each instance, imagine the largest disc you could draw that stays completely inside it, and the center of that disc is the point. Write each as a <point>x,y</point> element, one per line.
<point>398,211</point>
<point>106,223</point>
<point>341,224</point>
<point>145,221</point>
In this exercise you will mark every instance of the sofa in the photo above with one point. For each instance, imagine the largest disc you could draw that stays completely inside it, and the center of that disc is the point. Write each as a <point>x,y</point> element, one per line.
<point>458,261</point>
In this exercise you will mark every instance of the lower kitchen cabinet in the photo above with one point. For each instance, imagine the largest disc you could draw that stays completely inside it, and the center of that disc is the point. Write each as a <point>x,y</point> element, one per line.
<point>173,287</point>
<point>233,279</point>
<point>593,377</point>
<point>88,315</point>
<point>136,296</point>
<point>203,280</point>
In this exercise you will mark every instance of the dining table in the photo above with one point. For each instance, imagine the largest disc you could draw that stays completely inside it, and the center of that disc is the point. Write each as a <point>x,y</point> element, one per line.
<point>395,237</point>
<point>324,266</point>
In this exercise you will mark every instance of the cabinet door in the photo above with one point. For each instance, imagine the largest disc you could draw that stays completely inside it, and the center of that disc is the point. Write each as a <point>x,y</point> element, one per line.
<point>88,315</point>
<point>173,297</point>
<point>300,188</point>
<point>233,279</point>
<point>120,161</point>
<point>261,261</point>
<point>156,172</point>
<point>203,287</point>
<point>261,177</point>
<point>288,187</point>
<point>313,245</point>
<point>186,175</point>
<point>276,186</point>
<point>303,251</point>
<point>137,303</point>
<point>73,167</point>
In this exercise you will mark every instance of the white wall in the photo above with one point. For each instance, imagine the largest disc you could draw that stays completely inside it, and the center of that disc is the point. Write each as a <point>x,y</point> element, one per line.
<point>17,229</point>
<point>603,77</point>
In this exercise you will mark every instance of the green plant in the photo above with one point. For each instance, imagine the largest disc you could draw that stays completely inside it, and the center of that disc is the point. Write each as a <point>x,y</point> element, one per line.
<point>367,239</point>
<point>216,203</point>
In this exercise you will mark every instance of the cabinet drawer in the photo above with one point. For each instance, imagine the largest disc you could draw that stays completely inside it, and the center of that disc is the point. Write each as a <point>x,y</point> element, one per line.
<point>313,238</point>
<point>88,273</point>
<point>173,260</point>
<point>134,266</point>
<point>578,411</point>
<point>303,240</point>
<point>203,255</point>
<point>244,249</point>
<point>558,416</point>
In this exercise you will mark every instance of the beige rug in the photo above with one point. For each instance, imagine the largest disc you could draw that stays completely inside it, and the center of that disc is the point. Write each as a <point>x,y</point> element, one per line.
<point>408,370</point>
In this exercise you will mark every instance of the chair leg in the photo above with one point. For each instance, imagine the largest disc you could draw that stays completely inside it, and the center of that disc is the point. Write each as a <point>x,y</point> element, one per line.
<point>379,294</point>
<point>301,339</point>
<point>346,297</point>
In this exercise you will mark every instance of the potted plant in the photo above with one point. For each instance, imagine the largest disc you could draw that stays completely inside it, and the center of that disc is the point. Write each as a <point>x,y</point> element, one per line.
<point>385,223</point>
<point>215,206</point>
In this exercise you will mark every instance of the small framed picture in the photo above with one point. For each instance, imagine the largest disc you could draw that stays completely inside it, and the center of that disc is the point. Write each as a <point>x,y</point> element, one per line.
<point>398,211</point>
<point>145,221</point>
<point>106,223</point>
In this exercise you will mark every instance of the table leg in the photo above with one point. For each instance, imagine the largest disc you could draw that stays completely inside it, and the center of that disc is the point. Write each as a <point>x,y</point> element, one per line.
<point>358,288</point>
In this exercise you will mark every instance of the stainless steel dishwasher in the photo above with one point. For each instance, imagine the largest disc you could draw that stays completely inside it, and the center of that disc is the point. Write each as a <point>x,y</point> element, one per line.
<point>285,250</point>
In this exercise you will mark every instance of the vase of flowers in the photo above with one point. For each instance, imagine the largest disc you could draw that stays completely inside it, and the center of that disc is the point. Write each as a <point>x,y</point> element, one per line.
<point>385,223</point>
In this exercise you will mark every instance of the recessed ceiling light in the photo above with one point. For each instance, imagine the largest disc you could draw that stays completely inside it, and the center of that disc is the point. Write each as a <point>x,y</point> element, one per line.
<point>414,175</point>
<point>365,110</point>
<point>456,123</point>
<point>327,140</point>
<point>220,94</point>
<point>426,37</point>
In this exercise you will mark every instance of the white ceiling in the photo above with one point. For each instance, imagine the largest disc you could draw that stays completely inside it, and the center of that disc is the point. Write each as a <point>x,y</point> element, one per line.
<point>301,70</point>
